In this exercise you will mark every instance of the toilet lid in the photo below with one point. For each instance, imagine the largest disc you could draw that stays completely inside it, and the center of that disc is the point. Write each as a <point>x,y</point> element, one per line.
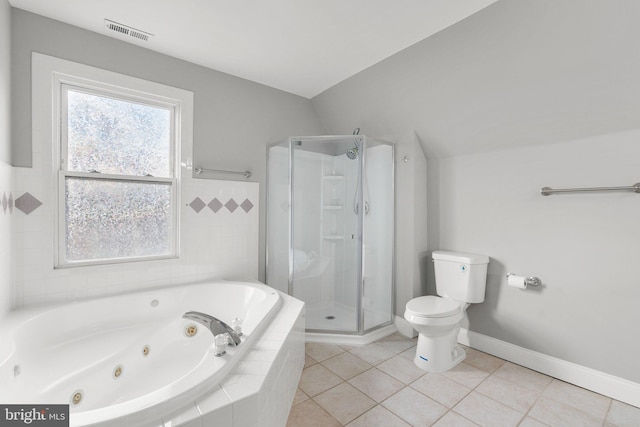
<point>432,306</point>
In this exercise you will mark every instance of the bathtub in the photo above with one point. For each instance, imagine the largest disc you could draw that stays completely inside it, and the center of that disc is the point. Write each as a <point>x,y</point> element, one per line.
<point>126,359</point>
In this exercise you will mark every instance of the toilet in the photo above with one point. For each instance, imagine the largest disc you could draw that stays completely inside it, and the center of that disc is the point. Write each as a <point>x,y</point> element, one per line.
<point>461,280</point>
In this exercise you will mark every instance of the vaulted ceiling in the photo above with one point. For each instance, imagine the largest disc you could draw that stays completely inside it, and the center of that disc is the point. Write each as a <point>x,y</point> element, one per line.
<point>302,47</point>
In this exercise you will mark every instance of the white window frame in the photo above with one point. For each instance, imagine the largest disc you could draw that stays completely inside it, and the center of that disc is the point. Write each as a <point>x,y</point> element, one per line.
<point>65,74</point>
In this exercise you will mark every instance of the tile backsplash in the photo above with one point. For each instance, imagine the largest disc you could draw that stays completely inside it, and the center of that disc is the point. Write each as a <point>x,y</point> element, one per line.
<point>219,242</point>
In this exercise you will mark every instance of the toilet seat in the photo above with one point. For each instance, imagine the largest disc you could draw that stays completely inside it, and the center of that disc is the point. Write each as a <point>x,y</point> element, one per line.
<point>432,307</point>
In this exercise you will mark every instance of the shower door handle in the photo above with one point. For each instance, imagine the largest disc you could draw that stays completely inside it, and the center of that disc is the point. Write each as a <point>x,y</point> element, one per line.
<point>366,208</point>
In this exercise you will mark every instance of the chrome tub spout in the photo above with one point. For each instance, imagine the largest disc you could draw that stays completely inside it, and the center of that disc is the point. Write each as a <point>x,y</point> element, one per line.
<point>216,326</point>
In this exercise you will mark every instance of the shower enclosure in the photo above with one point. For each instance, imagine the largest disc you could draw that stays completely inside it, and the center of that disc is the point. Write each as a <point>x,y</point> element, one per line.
<point>330,206</point>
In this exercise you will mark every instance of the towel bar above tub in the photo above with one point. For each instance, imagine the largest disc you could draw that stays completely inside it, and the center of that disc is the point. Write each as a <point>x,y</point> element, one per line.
<point>247,174</point>
<point>545,191</point>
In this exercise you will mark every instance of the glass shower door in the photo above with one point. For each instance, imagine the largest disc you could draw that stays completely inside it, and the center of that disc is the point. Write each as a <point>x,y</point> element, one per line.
<point>378,240</point>
<point>326,234</point>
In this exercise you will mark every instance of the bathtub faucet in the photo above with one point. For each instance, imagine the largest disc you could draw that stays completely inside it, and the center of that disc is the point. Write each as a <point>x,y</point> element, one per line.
<point>216,326</point>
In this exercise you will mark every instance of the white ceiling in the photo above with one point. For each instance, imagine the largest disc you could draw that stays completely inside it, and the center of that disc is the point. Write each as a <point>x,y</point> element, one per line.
<point>300,46</point>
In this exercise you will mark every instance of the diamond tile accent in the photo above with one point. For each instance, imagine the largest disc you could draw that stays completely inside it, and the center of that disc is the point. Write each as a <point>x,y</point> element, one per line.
<point>27,203</point>
<point>10,203</point>
<point>4,202</point>
<point>246,205</point>
<point>197,204</point>
<point>215,205</point>
<point>231,205</point>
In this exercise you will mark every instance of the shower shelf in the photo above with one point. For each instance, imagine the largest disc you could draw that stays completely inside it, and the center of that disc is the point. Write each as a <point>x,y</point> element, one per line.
<point>333,237</point>
<point>333,177</point>
<point>333,207</point>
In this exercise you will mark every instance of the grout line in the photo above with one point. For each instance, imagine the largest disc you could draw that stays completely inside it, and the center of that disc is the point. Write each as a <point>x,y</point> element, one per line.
<point>606,416</point>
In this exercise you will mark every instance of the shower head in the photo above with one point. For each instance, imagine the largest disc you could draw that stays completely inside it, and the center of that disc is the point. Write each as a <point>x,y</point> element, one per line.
<point>352,153</point>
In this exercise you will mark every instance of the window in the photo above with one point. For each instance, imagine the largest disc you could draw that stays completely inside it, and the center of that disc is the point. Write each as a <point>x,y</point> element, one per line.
<point>117,176</point>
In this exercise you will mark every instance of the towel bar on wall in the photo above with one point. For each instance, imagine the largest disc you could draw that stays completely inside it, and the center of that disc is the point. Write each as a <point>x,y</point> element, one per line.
<point>545,191</point>
<point>247,174</point>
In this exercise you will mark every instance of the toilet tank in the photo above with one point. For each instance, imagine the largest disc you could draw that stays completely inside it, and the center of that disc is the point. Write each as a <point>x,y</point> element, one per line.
<point>460,276</point>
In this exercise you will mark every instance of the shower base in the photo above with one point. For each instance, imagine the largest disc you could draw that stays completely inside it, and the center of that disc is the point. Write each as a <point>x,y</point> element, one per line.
<point>338,324</point>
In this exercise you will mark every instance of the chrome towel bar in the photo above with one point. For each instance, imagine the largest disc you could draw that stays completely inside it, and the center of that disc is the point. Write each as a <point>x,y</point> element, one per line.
<point>247,174</point>
<point>545,191</point>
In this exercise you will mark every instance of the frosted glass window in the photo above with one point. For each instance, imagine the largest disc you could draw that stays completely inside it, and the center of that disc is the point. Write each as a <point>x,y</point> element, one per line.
<point>117,181</point>
<point>117,137</point>
<point>116,219</point>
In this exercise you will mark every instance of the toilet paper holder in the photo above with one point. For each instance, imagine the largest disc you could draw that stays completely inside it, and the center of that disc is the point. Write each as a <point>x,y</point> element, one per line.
<point>528,281</point>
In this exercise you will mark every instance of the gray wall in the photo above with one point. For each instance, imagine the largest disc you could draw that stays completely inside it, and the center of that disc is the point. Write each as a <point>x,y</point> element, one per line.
<point>584,247</point>
<point>521,95</point>
<point>5,81</point>
<point>516,73</point>
<point>234,118</point>
<point>6,182</point>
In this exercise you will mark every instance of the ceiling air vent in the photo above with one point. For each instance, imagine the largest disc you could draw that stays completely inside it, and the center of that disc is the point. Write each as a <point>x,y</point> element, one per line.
<point>125,30</point>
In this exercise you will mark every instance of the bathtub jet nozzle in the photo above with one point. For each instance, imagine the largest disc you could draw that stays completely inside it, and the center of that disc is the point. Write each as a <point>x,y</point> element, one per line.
<point>216,326</point>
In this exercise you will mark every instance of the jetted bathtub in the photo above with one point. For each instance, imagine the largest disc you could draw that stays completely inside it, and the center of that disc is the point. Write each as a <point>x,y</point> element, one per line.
<point>127,359</point>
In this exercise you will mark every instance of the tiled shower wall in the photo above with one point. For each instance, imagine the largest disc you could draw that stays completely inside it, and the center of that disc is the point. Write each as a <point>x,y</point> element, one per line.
<point>218,239</point>
<point>7,213</point>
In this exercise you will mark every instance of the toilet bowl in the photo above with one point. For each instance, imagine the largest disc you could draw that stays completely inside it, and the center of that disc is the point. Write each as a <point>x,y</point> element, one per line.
<point>437,321</point>
<point>460,279</point>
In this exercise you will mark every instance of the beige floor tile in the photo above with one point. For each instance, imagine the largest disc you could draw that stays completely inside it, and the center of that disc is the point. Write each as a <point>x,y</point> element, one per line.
<point>487,412</point>
<point>346,365</point>
<point>376,384</point>
<point>378,416</point>
<point>309,361</point>
<point>558,414</point>
<point>585,400</point>
<point>441,389</point>
<point>317,379</point>
<point>513,395</point>
<point>372,353</point>
<point>344,402</point>
<point>452,419</point>
<point>483,361</point>
<point>530,422</point>
<point>322,351</point>
<point>623,415</point>
<point>401,369</point>
<point>466,375</point>
<point>310,414</point>
<point>414,407</point>
<point>299,397</point>
<point>523,376</point>
<point>409,353</point>
<point>501,398</point>
<point>396,343</point>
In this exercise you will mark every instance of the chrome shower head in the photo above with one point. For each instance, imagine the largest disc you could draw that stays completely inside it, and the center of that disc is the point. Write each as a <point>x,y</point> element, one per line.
<point>352,153</point>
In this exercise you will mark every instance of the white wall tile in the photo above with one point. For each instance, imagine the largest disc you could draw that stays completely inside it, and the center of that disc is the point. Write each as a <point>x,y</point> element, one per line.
<point>213,245</point>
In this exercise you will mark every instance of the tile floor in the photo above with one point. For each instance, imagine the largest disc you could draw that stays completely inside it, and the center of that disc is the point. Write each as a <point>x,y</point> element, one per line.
<point>378,385</point>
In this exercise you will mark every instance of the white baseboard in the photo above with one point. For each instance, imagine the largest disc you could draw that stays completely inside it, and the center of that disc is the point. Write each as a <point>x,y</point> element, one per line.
<point>597,381</point>
<point>405,327</point>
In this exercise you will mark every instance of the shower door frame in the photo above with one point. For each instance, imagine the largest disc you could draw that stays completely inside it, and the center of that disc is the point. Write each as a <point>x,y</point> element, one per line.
<point>289,143</point>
